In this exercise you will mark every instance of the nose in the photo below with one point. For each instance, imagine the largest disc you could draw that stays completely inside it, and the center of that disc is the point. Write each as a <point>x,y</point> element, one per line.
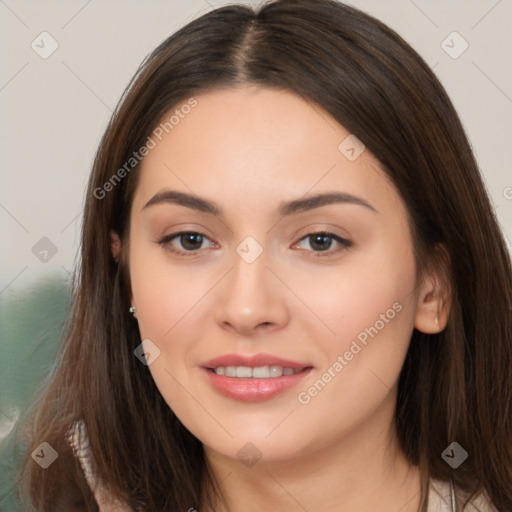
<point>252,299</point>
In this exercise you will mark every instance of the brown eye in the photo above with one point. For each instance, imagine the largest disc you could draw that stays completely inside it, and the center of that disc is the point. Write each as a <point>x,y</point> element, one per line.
<point>322,242</point>
<point>184,242</point>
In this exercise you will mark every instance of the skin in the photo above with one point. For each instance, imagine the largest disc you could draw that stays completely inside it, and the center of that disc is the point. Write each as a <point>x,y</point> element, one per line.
<point>249,149</point>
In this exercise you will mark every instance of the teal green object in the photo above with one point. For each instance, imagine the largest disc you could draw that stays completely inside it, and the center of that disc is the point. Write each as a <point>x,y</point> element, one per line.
<point>31,322</point>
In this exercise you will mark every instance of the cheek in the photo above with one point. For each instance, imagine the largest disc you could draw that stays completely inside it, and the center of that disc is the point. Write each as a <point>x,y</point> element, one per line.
<point>173,311</point>
<point>372,310</point>
<point>369,312</point>
<point>164,295</point>
<point>363,293</point>
<point>168,303</point>
<point>360,374</point>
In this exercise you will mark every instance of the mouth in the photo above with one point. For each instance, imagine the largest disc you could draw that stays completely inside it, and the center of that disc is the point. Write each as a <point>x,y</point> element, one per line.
<point>253,378</point>
<point>258,372</point>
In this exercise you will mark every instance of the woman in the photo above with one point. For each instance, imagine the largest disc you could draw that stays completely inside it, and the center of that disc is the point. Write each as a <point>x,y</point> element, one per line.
<point>293,292</point>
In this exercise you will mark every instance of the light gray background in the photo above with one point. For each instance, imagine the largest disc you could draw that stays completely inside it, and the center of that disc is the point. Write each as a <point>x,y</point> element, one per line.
<point>54,110</point>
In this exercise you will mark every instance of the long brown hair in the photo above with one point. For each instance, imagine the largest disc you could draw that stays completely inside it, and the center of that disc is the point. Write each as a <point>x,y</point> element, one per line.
<point>454,386</point>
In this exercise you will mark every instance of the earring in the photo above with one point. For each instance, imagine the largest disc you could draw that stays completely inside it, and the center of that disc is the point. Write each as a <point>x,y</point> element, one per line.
<point>132,309</point>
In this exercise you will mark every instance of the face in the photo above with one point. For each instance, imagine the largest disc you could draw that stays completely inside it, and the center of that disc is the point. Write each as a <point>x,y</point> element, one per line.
<point>261,243</point>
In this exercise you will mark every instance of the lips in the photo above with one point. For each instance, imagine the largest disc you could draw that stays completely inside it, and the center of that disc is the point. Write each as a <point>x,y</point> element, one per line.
<point>253,361</point>
<point>245,378</point>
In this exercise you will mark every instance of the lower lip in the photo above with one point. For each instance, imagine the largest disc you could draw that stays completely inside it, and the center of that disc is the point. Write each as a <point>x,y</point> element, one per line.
<point>251,389</point>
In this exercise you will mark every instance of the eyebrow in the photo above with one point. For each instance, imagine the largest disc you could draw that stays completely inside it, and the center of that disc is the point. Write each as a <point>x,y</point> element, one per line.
<point>285,209</point>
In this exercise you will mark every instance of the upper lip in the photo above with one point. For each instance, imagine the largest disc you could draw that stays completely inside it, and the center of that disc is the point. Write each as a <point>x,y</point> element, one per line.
<point>253,361</point>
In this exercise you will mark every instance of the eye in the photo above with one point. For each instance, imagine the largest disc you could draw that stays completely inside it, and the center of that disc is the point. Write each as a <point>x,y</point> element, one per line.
<point>321,243</point>
<point>188,242</point>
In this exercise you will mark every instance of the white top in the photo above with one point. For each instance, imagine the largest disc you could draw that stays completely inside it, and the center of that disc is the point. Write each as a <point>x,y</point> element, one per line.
<point>441,499</point>
<point>441,496</point>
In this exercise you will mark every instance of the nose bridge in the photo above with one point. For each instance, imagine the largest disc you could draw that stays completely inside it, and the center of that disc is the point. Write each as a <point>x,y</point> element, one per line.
<point>251,295</point>
<point>249,280</point>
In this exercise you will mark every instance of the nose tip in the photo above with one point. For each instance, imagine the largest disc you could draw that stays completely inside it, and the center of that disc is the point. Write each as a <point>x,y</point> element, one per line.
<point>246,320</point>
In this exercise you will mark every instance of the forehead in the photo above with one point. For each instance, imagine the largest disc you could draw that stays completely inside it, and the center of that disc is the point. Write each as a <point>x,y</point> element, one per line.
<point>256,144</point>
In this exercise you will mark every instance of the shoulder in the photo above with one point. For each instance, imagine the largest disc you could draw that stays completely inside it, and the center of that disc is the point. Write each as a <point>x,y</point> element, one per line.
<point>441,496</point>
<point>77,439</point>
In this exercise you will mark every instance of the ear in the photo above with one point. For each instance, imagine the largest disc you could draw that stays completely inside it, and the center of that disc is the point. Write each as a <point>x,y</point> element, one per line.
<point>115,245</point>
<point>434,298</point>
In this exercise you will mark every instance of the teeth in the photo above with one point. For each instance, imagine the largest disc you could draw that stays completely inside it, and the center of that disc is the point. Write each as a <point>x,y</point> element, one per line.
<point>243,371</point>
<point>230,371</point>
<point>259,372</point>
<point>276,371</point>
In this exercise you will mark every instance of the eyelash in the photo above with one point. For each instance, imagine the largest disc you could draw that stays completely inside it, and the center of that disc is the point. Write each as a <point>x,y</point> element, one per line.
<point>166,243</point>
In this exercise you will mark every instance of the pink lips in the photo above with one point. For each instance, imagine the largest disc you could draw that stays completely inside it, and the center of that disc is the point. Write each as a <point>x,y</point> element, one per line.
<point>252,361</point>
<point>253,389</point>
